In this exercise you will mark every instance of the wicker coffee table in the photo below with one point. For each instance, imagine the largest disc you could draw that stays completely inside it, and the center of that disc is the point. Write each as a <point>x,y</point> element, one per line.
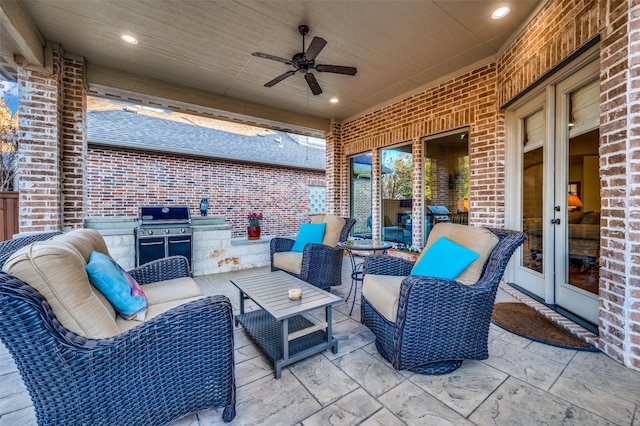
<point>281,328</point>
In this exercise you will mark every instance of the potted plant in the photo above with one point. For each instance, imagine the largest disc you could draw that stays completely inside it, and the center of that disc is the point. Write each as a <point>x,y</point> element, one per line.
<point>405,251</point>
<point>253,230</point>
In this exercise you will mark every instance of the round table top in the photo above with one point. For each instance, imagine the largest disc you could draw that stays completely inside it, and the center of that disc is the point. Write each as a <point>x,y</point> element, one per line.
<point>364,245</point>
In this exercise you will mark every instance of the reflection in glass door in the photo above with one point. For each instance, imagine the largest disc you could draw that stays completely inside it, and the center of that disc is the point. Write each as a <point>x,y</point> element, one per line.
<point>360,191</point>
<point>397,193</point>
<point>578,194</point>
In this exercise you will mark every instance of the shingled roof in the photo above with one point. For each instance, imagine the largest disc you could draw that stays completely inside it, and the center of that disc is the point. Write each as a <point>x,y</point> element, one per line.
<point>120,125</point>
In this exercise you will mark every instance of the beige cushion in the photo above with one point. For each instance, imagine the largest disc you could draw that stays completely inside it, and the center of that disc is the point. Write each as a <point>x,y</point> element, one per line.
<point>289,261</point>
<point>57,270</point>
<point>317,218</point>
<point>85,241</point>
<point>480,240</point>
<point>153,311</point>
<point>333,230</point>
<point>170,290</point>
<point>383,292</point>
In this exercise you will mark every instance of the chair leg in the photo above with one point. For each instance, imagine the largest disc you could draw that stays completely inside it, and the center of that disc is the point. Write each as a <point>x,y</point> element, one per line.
<point>435,368</point>
<point>229,413</point>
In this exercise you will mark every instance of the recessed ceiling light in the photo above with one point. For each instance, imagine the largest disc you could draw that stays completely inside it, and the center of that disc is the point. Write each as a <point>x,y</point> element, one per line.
<point>129,39</point>
<point>333,100</point>
<point>501,12</point>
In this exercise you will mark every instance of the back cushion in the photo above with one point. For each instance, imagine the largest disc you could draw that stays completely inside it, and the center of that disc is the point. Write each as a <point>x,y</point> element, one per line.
<point>479,240</point>
<point>333,230</point>
<point>85,241</point>
<point>317,218</point>
<point>57,270</point>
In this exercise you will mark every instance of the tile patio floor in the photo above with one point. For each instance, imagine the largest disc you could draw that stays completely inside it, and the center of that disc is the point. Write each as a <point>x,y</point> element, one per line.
<point>522,383</point>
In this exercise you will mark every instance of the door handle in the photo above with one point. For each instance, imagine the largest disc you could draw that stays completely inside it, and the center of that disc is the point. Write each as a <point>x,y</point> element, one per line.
<point>555,221</point>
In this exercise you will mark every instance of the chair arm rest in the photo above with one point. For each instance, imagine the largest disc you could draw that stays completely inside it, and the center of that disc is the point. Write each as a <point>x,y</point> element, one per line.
<point>322,265</point>
<point>161,270</point>
<point>279,244</point>
<point>380,264</point>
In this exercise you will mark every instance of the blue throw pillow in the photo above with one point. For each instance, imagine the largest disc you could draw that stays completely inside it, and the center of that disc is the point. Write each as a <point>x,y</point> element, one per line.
<point>444,259</point>
<point>120,289</point>
<point>309,233</point>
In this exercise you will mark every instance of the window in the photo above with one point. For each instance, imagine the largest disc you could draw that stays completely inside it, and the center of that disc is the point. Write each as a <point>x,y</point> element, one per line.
<point>397,193</point>
<point>317,199</point>
<point>446,179</point>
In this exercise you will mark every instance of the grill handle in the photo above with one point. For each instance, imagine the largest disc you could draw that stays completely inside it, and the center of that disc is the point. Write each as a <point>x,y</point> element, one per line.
<point>157,243</point>
<point>179,242</point>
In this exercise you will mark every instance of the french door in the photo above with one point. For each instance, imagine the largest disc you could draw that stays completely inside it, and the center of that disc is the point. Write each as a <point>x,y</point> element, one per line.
<point>554,140</point>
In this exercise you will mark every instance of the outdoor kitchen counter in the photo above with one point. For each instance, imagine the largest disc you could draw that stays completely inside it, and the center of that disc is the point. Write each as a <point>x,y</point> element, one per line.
<point>214,250</point>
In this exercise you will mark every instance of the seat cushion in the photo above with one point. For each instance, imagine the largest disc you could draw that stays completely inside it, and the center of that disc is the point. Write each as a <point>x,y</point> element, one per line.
<point>289,261</point>
<point>171,290</point>
<point>479,240</point>
<point>383,292</point>
<point>333,230</point>
<point>153,311</point>
<point>57,270</point>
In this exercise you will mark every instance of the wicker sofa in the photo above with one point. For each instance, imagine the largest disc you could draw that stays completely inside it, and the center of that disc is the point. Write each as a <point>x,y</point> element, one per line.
<point>82,364</point>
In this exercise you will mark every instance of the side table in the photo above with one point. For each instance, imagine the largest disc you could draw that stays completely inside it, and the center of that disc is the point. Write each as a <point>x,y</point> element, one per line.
<point>357,274</point>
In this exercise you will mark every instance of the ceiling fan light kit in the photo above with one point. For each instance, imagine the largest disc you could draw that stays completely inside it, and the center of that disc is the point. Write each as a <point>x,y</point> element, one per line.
<point>304,62</point>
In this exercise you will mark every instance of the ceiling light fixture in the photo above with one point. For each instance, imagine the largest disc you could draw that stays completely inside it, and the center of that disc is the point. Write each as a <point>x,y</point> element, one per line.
<point>333,100</point>
<point>501,12</point>
<point>129,39</point>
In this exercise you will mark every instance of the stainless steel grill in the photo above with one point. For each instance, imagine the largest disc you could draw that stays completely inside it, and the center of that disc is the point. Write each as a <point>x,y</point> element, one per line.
<point>163,231</point>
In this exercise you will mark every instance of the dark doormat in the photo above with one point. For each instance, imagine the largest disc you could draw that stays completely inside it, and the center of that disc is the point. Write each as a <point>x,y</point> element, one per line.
<point>520,319</point>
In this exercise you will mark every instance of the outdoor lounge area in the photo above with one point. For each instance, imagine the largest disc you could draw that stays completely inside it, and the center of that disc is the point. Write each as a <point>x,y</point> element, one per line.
<point>522,382</point>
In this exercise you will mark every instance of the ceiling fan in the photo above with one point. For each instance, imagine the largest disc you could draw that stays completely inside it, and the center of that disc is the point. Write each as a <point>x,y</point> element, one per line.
<point>305,62</point>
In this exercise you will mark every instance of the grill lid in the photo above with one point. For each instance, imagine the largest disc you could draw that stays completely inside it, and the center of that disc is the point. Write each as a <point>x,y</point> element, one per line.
<point>158,215</point>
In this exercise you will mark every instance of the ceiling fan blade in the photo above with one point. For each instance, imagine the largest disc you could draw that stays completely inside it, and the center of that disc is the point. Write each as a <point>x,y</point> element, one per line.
<point>337,69</point>
<point>279,78</point>
<point>313,84</point>
<point>273,58</point>
<point>317,44</point>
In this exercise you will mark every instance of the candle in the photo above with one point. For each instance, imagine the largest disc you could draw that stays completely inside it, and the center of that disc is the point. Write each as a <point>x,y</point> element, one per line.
<point>295,293</point>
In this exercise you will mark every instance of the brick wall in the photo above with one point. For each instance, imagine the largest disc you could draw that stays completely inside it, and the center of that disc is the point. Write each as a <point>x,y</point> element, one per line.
<point>474,99</point>
<point>431,112</point>
<point>119,181</point>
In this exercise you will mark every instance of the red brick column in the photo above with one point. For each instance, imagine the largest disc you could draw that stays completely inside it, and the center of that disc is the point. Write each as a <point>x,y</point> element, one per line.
<point>39,150</point>
<point>74,144</point>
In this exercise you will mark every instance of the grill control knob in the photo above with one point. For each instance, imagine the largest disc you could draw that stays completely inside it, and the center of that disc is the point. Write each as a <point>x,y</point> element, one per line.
<point>182,230</point>
<point>150,232</point>
<point>166,231</point>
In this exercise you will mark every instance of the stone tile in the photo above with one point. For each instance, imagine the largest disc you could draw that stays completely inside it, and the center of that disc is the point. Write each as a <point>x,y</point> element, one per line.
<point>351,336</point>
<point>514,339</point>
<point>191,420</point>
<point>7,365</point>
<point>15,402</point>
<point>463,389</point>
<point>373,351</point>
<point>523,364</point>
<point>382,418</point>
<point>555,353</point>
<point>11,383</point>
<point>373,375</point>
<point>241,338</point>
<point>598,384</point>
<point>268,402</point>
<point>517,402</point>
<point>252,370</point>
<point>414,406</point>
<point>324,380</point>
<point>349,410</point>
<point>24,417</point>
<point>246,352</point>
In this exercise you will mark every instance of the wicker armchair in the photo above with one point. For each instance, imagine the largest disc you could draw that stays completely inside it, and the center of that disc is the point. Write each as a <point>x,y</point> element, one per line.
<point>439,322</point>
<point>321,263</point>
<point>172,365</point>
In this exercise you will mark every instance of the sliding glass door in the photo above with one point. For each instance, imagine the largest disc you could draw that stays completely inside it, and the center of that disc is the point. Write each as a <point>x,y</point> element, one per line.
<point>360,194</point>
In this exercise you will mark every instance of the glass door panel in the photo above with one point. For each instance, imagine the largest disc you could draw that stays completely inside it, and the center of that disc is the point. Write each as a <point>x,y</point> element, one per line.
<point>360,192</point>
